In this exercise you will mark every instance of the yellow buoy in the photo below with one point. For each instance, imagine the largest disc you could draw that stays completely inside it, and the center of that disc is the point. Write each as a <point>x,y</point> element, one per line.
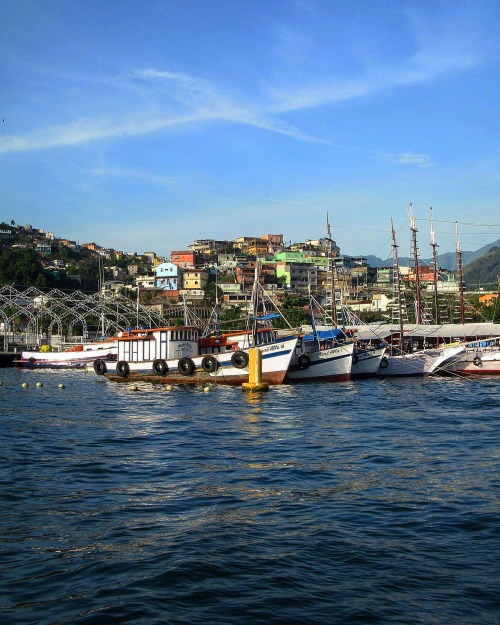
<point>255,382</point>
<point>25,385</point>
<point>169,387</point>
<point>61,386</point>
<point>206,389</point>
<point>39,384</point>
<point>134,387</point>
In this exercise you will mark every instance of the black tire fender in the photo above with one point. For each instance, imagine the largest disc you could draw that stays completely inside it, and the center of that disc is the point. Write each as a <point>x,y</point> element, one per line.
<point>239,359</point>
<point>160,367</point>
<point>100,367</point>
<point>477,361</point>
<point>210,364</point>
<point>122,369</point>
<point>186,366</point>
<point>304,361</point>
<point>384,363</point>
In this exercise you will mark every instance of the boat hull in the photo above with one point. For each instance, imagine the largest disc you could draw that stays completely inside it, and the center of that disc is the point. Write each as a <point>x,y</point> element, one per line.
<point>418,363</point>
<point>67,359</point>
<point>474,362</point>
<point>275,361</point>
<point>327,365</point>
<point>366,362</point>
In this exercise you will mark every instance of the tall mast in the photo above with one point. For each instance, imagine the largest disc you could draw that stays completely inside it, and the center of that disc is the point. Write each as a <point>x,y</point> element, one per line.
<point>434,245</point>
<point>217,320</point>
<point>331,274</point>
<point>413,228</point>
<point>397,282</point>
<point>460,276</point>
<point>255,301</point>
<point>102,296</point>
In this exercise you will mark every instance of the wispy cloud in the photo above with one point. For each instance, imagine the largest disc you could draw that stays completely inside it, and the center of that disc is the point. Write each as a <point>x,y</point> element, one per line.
<point>409,158</point>
<point>170,182</point>
<point>171,100</point>
<point>423,67</point>
<point>202,103</point>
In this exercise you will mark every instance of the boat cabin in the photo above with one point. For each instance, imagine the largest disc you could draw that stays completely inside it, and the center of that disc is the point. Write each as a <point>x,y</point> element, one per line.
<point>164,343</point>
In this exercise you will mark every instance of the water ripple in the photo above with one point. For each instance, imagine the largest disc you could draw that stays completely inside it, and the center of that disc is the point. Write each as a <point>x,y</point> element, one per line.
<point>369,502</point>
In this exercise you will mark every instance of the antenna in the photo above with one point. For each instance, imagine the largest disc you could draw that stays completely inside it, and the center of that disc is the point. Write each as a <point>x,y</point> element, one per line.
<point>328,227</point>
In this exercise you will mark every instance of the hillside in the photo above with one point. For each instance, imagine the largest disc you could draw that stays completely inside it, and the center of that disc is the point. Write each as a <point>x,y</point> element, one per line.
<point>446,261</point>
<point>484,271</point>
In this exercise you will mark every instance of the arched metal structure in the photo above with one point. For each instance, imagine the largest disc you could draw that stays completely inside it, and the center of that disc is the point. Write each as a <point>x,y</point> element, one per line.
<point>30,315</point>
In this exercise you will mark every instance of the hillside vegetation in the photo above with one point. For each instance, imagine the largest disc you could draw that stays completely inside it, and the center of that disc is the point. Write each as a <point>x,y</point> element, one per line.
<point>484,272</point>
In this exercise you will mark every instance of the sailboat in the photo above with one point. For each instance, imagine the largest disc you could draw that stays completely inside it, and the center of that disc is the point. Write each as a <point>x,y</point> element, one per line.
<point>481,356</point>
<point>400,361</point>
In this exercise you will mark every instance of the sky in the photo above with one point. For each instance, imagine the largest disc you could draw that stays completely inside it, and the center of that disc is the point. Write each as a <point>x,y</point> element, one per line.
<point>146,125</point>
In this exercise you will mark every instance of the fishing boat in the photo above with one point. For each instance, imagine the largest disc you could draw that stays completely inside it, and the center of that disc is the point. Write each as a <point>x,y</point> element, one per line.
<point>368,352</point>
<point>322,355</point>
<point>189,355</point>
<point>181,355</point>
<point>74,357</point>
<point>366,359</point>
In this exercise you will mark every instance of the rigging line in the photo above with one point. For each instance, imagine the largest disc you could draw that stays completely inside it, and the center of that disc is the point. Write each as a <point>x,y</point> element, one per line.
<point>462,223</point>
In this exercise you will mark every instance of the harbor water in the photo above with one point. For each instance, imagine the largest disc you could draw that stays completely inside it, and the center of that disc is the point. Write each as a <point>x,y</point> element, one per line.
<point>374,501</point>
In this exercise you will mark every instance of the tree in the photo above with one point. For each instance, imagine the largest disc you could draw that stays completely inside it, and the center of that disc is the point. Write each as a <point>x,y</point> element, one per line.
<point>230,318</point>
<point>210,297</point>
<point>20,266</point>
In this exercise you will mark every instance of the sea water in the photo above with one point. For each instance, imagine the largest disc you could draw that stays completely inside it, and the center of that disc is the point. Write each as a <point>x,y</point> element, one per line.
<point>374,501</point>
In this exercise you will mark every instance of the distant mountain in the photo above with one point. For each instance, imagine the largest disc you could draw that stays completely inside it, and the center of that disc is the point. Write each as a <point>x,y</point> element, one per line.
<point>446,261</point>
<point>484,271</point>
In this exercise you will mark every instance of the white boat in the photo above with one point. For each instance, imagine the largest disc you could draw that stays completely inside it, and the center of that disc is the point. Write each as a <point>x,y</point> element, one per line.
<point>323,355</point>
<point>478,358</point>
<point>402,359</point>
<point>366,360</point>
<point>422,362</point>
<point>180,355</point>
<point>78,356</point>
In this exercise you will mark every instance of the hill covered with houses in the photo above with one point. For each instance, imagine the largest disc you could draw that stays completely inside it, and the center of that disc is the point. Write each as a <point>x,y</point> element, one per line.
<point>31,256</point>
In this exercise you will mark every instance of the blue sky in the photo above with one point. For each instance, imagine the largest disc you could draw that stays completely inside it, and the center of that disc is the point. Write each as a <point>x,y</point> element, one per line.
<point>145,125</point>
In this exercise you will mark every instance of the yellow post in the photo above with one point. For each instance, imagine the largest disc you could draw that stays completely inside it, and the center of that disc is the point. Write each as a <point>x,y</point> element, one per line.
<point>255,382</point>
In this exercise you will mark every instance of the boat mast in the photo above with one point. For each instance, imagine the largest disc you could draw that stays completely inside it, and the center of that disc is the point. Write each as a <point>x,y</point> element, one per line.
<point>137,309</point>
<point>397,282</point>
<point>460,276</point>
<point>217,316</point>
<point>413,228</point>
<point>331,274</point>
<point>434,245</point>
<point>255,303</point>
<point>101,292</point>
<point>313,321</point>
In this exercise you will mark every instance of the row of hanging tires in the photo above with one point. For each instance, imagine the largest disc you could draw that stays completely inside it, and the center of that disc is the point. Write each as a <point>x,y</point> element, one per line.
<point>185,365</point>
